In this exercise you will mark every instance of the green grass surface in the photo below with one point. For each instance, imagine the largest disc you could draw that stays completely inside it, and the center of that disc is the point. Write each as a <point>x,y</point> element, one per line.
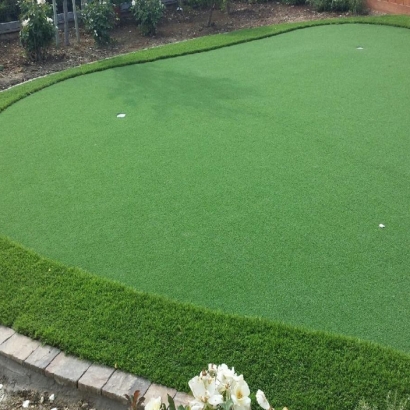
<point>243,178</point>
<point>169,342</point>
<point>250,179</point>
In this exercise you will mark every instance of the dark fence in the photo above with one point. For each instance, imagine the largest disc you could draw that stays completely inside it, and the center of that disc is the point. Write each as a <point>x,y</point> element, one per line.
<point>10,10</point>
<point>14,26</point>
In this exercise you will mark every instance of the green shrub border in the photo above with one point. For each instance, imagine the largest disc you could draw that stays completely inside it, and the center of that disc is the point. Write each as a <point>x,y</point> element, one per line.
<point>169,342</point>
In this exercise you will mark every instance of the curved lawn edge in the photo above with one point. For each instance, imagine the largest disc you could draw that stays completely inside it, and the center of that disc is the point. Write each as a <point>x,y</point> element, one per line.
<point>169,342</point>
<point>207,43</point>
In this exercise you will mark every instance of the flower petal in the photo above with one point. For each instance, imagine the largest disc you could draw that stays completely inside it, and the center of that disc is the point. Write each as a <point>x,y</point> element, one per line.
<point>261,399</point>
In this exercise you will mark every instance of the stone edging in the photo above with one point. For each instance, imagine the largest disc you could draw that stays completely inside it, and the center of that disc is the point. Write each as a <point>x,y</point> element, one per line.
<point>86,378</point>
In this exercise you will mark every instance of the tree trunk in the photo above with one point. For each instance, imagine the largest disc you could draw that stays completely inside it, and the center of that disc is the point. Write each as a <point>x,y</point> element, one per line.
<point>65,9</point>
<point>77,32</point>
<point>210,14</point>
<point>56,22</point>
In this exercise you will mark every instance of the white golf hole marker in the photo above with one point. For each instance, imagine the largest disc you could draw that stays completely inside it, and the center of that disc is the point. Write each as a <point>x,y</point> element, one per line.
<point>381,226</point>
<point>120,115</point>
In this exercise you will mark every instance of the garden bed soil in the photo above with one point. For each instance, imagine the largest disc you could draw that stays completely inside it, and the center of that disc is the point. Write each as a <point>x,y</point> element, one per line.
<point>174,26</point>
<point>35,400</point>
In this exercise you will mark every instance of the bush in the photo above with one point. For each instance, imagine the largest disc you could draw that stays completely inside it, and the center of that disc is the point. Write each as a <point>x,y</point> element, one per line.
<point>147,14</point>
<point>354,6</point>
<point>37,28</point>
<point>357,7</point>
<point>295,2</point>
<point>99,19</point>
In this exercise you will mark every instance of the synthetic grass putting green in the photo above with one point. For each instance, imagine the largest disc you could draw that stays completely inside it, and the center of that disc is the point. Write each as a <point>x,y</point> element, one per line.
<point>250,179</point>
<point>167,342</point>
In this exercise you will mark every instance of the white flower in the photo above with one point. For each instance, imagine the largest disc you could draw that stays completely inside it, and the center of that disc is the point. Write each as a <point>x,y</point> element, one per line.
<point>225,378</point>
<point>50,20</point>
<point>133,3</point>
<point>262,401</point>
<point>25,22</point>
<point>41,2</point>
<point>154,404</point>
<point>203,388</point>
<point>240,394</point>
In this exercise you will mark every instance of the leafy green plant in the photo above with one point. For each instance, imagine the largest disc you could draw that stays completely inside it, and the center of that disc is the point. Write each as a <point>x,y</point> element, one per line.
<point>354,6</point>
<point>147,15</point>
<point>37,28</point>
<point>99,18</point>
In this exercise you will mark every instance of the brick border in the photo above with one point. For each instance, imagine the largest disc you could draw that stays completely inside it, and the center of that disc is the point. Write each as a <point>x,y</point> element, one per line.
<point>72,372</point>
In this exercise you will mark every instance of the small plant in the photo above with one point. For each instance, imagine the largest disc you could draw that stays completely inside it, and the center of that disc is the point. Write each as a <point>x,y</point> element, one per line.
<point>99,19</point>
<point>135,402</point>
<point>147,15</point>
<point>218,388</point>
<point>37,28</point>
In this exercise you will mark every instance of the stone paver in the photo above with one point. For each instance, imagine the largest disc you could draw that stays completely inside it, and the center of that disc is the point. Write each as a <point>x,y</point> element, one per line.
<point>121,383</point>
<point>41,358</point>
<point>156,390</point>
<point>182,399</point>
<point>70,371</point>
<point>67,370</point>
<point>19,347</point>
<point>95,378</point>
<point>5,333</point>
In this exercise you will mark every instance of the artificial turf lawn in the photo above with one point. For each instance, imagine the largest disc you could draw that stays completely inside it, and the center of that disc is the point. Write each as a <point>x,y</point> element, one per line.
<point>249,179</point>
<point>143,334</point>
<point>169,342</point>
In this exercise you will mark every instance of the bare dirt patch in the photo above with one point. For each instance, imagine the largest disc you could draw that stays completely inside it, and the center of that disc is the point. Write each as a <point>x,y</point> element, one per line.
<point>175,26</point>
